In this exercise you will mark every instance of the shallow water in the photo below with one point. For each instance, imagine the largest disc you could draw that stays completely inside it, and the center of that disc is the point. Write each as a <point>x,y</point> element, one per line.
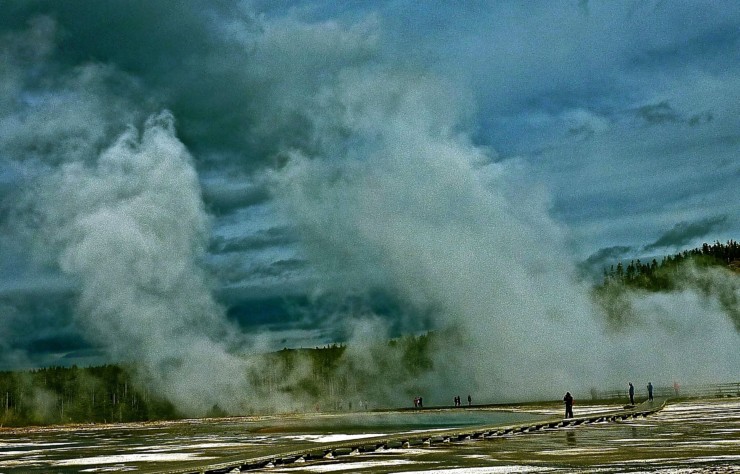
<point>687,437</point>
<point>155,448</point>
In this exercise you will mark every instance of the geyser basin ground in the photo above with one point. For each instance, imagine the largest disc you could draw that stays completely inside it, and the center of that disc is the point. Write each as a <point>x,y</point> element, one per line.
<point>154,447</point>
<point>691,436</point>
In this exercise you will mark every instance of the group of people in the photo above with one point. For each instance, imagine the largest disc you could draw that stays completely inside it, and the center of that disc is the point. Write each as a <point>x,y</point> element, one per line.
<point>459,403</point>
<point>632,392</point>
<point>568,398</point>
<point>418,402</point>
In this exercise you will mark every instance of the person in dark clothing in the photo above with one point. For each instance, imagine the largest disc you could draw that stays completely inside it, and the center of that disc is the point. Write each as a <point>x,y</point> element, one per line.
<point>568,399</point>
<point>632,394</point>
<point>470,401</point>
<point>650,391</point>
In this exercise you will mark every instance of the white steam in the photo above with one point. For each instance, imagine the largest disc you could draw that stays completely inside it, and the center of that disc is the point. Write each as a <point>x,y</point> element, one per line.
<point>132,228</point>
<point>416,208</point>
<point>386,190</point>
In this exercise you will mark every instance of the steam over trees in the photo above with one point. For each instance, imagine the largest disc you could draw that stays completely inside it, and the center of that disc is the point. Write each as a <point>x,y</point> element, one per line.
<point>661,276</point>
<point>691,269</point>
<point>111,393</point>
<point>71,395</point>
<point>326,378</point>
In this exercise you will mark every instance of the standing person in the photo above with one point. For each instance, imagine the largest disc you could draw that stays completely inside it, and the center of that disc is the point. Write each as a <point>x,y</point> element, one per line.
<point>568,399</point>
<point>650,391</point>
<point>632,394</point>
<point>470,401</point>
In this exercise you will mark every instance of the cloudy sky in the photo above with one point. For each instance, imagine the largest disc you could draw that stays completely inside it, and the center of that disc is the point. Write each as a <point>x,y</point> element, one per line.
<point>283,167</point>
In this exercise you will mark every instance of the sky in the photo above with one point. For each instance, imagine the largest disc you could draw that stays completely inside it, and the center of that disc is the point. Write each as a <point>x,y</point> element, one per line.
<point>271,174</point>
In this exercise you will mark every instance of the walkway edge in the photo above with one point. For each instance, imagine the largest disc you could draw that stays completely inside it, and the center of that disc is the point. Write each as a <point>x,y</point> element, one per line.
<point>420,439</point>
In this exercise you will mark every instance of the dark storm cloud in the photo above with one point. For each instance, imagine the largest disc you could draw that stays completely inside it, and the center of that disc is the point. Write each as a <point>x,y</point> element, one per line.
<point>685,233</point>
<point>659,113</point>
<point>663,112</point>
<point>272,237</point>
<point>213,64</point>
<point>38,329</point>
<point>271,271</point>
<point>342,162</point>
<point>168,46</point>
<point>281,267</point>
<point>301,313</point>
<point>608,254</point>
<point>223,198</point>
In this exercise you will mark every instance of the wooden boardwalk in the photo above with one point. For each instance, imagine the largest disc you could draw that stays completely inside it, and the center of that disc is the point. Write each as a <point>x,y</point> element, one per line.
<point>419,439</point>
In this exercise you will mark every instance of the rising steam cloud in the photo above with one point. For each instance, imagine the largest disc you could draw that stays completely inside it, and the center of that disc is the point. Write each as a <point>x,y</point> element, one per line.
<point>131,227</point>
<point>371,164</point>
<point>422,211</point>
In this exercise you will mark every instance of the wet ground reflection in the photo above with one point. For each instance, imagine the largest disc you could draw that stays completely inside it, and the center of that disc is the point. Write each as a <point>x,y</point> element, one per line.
<point>687,437</point>
<point>193,443</point>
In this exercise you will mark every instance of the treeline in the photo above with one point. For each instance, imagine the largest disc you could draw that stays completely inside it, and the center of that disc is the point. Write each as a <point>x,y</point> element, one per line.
<point>661,276</point>
<point>337,377</point>
<point>323,378</point>
<point>59,395</point>
<point>672,273</point>
<point>334,377</point>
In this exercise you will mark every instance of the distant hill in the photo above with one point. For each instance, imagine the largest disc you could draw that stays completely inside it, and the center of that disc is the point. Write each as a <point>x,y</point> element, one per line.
<point>319,377</point>
<point>689,269</point>
<point>660,276</point>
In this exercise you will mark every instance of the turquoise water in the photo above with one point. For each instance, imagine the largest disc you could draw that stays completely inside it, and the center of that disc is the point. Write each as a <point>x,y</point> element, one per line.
<point>407,420</point>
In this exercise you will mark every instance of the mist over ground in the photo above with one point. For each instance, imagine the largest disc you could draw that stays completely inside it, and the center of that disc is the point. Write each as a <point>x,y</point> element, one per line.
<point>185,185</point>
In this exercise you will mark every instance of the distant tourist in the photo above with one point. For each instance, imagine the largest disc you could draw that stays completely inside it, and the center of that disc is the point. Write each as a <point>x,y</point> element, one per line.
<point>421,403</point>
<point>470,401</point>
<point>675,387</point>
<point>568,399</point>
<point>632,394</point>
<point>650,391</point>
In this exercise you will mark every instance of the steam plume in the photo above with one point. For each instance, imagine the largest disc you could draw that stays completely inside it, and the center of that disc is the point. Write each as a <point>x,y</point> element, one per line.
<point>132,228</point>
<point>371,164</point>
<point>421,210</point>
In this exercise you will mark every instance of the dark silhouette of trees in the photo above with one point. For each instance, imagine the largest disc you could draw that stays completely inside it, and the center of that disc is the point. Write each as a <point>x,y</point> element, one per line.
<point>321,377</point>
<point>326,377</point>
<point>58,395</point>
<point>672,273</point>
<point>661,276</point>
